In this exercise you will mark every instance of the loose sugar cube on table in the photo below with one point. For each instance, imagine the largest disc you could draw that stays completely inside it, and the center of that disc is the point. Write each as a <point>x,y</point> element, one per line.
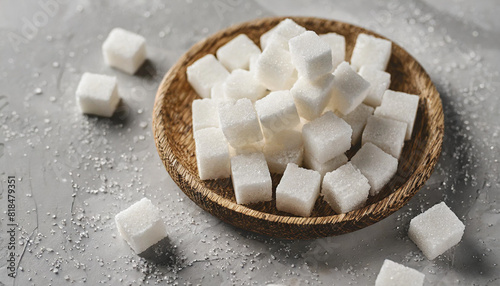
<point>236,53</point>
<point>243,84</point>
<point>395,274</point>
<point>239,123</point>
<point>311,163</point>
<point>277,112</point>
<point>124,50</point>
<point>337,44</point>
<point>357,120</point>
<point>399,106</point>
<point>311,56</point>
<point>212,154</point>
<point>349,89</point>
<point>387,134</point>
<point>345,189</point>
<point>281,34</point>
<point>379,83</point>
<point>204,73</point>
<point>371,51</point>
<point>205,114</point>
<point>376,165</point>
<point>311,98</point>
<point>326,137</point>
<point>141,225</point>
<point>298,190</point>
<point>274,68</point>
<point>251,178</point>
<point>436,230</point>
<point>285,147</point>
<point>97,94</point>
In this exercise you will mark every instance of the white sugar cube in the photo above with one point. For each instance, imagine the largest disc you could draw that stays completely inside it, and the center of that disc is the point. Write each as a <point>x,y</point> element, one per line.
<point>277,112</point>
<point>217,91</point>
<point>298,190</point>
<point>337,44</point>
<point>274,68</point>
<point>399,106</point>
<point>349,89</point>
<point>311,56</point>
<point>243,84</point>
<point>236,53</point>
<point>239,122</point>
<point>345,189</point>
<point>141,225</point>
<point>285,147</point>
<point>97,94</point>
<point>205,114</point>
<point>204,73</point>
<point>212,154</point>
<point>124,50</point>
<point>251,178</point>
<point>371,51</point>
<point>281,34</point>
<point>387,134</point>
<point>436,230</point>
<point>379,83</point>
<point>311,98</point>
<point>376,165</point>
<point>395,274</point>
<point>357,120</point>
<point>256,147</point>
<point>311,163</point>
<point>326,137</point>
<point>253,62</point>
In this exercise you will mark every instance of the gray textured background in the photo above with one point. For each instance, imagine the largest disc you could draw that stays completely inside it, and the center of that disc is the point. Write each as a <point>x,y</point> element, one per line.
<point>76,172</point>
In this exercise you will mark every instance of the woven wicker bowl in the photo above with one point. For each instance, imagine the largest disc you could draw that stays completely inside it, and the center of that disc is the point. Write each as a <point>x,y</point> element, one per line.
<point>174,140</point>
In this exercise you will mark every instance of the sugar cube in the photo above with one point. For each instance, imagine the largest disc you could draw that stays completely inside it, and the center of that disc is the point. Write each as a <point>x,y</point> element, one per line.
<point>376,165</point>
<point>285,147</point>
<point>274,68</point>
<point>204,73</point>
<point>253,62</point>
<point>387,134</point>
<point>395,274</point>
<point>243,84</point>
<point>256,147</point>
<point>124,50</point>
<point>311,98</point>
<point>277,112</point>
<point>311,163</point>
<point>141,225</point>
<point>311,56</point>
<point>345,189</point>
<point>370,50</point>
<point>281,34</point>
<point>357,120</point>
<point>337,44</point>
<point>239,123</point>
<point>217,91</point>
<point>97,94</point>
<point>399,106</point>
<point>251,178</point>
<point>379,83</point>
<point>349,89</point>
<point>212,154</point>
<point>205,114</point>
<point>326,137</point>
<point>236,53</point>
<point>298,190</point>
<point>436,230</point>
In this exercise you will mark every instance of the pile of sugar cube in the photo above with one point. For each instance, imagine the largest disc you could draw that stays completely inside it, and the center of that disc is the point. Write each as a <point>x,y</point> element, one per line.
<point>295,107</point>
<point>97,94</point>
